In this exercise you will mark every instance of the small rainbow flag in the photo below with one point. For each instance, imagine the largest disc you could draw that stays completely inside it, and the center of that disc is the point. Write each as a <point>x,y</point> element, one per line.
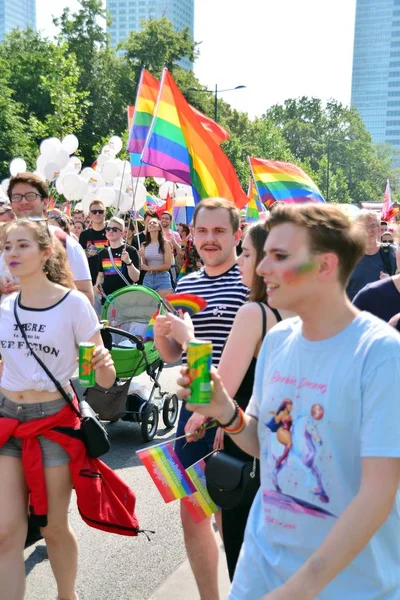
<point>253,207</point>
<point>189,303</point>
<point>167,472</point>
<point>284,182</point>
<point>199,505</point>
<point>179,143</point>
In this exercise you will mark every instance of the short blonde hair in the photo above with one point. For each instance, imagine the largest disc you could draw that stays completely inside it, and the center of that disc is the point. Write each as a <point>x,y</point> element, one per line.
<point>118,221</point>
<point>365,215</point>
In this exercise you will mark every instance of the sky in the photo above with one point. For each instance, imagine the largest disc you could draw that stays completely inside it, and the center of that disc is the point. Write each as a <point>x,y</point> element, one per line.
<point>278,50</point>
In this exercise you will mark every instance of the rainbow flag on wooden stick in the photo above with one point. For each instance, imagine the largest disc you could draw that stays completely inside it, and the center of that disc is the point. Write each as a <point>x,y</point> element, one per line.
<point>284,182</point>
<point>253,207</point>
<point>167,471</point>
<point>179,144</point>
<point>199,505</point>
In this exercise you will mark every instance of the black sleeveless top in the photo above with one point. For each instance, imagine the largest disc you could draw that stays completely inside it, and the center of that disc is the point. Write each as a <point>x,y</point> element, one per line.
<point>245,390</point>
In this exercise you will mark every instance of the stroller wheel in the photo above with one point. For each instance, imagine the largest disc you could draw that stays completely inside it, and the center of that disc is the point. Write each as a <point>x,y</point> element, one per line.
<point>149,424</point>
<point>170,410</point>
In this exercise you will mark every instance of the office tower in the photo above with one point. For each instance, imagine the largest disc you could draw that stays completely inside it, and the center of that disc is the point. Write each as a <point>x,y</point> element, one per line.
<point>127,14</point>
<point>16,13</point>
<point>376,68</point>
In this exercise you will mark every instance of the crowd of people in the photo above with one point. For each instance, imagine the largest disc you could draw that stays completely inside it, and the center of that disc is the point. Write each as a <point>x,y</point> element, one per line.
<point>302,312</point>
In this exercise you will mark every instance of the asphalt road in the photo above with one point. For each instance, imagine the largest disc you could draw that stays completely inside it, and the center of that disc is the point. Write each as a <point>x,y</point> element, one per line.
<point>113,566</point>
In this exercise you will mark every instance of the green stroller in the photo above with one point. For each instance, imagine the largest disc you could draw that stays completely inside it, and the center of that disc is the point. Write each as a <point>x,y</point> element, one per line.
<point>128,317</point>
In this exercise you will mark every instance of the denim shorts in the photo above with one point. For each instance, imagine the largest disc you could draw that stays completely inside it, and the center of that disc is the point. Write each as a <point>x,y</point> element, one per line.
<point>158,281</point>
<point>53,454</point>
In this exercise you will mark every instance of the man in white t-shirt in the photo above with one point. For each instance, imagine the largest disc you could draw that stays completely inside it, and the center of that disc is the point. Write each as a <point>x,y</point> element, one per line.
<point>324,419</point>
<point>29,197</point>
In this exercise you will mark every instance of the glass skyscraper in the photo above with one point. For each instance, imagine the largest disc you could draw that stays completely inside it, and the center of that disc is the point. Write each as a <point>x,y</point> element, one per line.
<point>127,14</point>
<point>16,13</point>
<point>376,68</point>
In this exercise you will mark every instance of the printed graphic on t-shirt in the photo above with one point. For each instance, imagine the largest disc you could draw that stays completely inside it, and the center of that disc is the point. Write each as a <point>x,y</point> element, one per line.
<point>296,458</point>
<point>95,246</point>
<point>34,332</point>
<point>108,267</point>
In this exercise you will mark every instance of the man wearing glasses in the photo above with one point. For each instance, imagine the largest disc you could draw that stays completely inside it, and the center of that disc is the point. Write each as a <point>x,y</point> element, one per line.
<point>29,197</point>
<point>378,262</point>
<point>94,239</point>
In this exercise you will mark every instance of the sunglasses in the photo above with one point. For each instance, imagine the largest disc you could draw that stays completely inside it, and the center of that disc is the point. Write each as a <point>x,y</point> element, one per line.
<point>97,211</point>
<point>113,229</point>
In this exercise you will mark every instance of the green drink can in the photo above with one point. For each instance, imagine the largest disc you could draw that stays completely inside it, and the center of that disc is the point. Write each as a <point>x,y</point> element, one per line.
<point>87,375</point>
<point>199,356</point>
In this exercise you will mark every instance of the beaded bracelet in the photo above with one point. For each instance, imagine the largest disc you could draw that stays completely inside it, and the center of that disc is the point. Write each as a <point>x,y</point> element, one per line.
<point>224,425</point>
<point>239,428</point>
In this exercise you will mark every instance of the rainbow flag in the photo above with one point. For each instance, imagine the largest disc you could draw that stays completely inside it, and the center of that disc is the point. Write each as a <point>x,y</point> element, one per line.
<point>131,112</point>
<point>199,505</point>
<point>253,207</point>
<point>166,471</point>
<point>139,127</point>
<point>284,182</point>
<point>179,143</point>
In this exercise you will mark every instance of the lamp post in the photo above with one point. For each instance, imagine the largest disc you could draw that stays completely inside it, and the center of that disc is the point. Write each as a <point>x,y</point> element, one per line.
<point>215,92</point>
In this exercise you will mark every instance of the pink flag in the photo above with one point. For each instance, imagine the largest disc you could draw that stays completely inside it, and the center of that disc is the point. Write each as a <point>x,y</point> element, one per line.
<point>387,203</point>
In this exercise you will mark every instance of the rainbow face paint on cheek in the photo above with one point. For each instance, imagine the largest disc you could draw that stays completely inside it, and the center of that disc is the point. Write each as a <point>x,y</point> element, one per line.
<point>295,272</point>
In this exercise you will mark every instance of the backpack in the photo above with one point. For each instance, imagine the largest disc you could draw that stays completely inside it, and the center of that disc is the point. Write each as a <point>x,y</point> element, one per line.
<point>385,252</point>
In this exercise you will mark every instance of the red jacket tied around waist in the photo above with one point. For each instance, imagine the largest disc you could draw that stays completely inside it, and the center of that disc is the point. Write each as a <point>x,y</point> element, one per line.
<point>104,500</point>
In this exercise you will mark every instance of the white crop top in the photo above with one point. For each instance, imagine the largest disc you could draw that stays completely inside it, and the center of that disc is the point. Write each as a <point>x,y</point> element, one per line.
<point>54,333</point>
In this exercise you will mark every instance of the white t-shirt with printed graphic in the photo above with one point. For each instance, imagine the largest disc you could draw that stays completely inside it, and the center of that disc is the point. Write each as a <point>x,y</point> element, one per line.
<point>321,407</point>
<point>54,333</point>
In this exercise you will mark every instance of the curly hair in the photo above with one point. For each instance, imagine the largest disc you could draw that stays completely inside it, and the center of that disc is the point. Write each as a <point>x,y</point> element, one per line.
<point>56,267</point>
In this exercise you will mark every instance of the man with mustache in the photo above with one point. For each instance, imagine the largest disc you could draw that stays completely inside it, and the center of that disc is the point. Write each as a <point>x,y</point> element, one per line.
<point>216,235</point>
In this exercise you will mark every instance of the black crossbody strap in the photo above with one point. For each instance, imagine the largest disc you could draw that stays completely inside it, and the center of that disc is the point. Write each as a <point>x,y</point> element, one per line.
<point>41,363</point>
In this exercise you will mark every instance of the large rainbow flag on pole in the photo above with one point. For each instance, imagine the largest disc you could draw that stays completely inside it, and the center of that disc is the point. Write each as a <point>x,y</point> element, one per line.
<point>146,98</point>
<point>167,471</point>
<point>179,143</point>
<point>284,182</point>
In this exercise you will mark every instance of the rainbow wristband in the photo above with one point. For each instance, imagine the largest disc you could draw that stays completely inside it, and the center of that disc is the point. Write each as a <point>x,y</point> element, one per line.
<point>241,425</point>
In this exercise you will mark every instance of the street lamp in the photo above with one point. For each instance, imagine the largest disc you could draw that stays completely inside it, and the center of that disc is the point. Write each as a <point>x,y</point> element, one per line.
<point>328,150</point>
<point>215,92</point>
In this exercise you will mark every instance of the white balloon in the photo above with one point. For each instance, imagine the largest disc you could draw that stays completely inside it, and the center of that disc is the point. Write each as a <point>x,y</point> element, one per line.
<point>110,152</point>
<point>159,180</point>
<point>82,190</point>
<point>41,162</point>
<point>187,188</point>
<point>95,181</point>
<point>125,203</point>
<point>51,171</point>
<point>102,159</point>
<point>165,189</point>
<point>119,184</point>
<point>78,206</point>
<point>71,183</point>
<point>61,158</point>
<point>140,196</point>
<point>4,185</point>
<point>115,143</point>
<point>70,143</point>
<point>60,185</point>
<point>110,171</point>
<point>106,195</point>
<point>40,175</point>
<point>76,163</point>
<point>86,173</point>
<point>49,147</point>
<point>120,164</point>
<point>17,165</point>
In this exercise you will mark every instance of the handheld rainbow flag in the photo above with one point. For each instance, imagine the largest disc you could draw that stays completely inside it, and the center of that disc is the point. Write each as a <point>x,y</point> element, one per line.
<point>199,505</point>
<point>179,143</point>
<point>284,182</point>
<point>189,303</point>
<point>253,207</point>
<point>166,471</point>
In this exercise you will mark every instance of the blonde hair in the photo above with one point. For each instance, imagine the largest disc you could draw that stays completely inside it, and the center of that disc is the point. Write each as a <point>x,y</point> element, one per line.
<point>365,215</point>
<point>118,221</point>
<point>56,266</point>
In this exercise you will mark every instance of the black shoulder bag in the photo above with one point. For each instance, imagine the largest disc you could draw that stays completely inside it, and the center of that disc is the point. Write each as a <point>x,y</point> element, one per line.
<point>232,481</point>
<point>93,433</point>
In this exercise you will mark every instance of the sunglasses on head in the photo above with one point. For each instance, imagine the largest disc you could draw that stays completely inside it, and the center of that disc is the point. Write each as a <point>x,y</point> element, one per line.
<point>97,211</point>
<point>113,229</point>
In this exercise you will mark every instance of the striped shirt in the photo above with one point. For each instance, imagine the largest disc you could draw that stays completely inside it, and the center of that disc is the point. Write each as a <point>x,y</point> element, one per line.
<point>224,294</point>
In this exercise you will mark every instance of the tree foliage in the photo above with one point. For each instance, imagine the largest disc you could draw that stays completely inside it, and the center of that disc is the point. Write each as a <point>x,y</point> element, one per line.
<point>79,84</point>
